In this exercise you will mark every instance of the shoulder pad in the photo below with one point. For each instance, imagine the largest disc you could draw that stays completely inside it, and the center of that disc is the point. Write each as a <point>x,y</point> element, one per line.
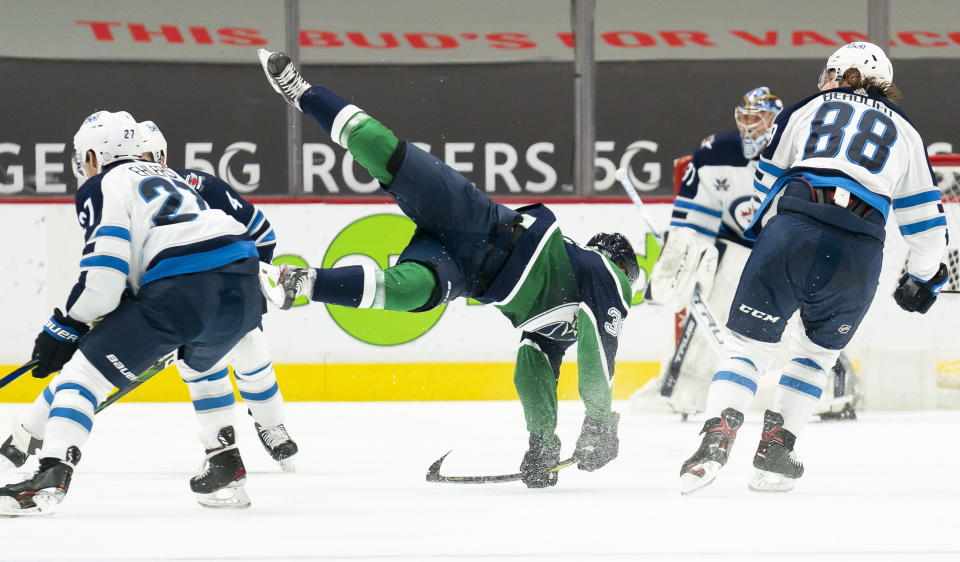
<point>721,149</point>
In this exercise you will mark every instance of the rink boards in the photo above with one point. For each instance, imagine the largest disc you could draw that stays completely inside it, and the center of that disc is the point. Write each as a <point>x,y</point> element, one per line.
<point>463,351</point>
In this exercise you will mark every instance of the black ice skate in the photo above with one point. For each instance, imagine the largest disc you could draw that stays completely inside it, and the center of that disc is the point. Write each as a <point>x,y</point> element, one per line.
<point>222,475</point>
<point>41,493</point>
<point>294,281</point>
<point>718,437</point>
<point>540,458</point>
<point>17,447</point>
<point>598,443</point>
<point>278,444</point>
<point>283,76</point>
<point>777,465</point>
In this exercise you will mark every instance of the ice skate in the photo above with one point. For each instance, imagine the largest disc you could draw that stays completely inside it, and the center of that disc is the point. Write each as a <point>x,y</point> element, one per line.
<point>294,281</point>
<point>718,437</point>
<point>43,492</point>
<point>17,447</point>
<point>543,454</point>
<point>776,462</point>
<point>283,76</point>
<point>278,444</point>
<point>222,475</point>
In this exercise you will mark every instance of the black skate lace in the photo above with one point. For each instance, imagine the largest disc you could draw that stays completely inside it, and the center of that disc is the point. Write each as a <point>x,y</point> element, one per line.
<point>274,436</point>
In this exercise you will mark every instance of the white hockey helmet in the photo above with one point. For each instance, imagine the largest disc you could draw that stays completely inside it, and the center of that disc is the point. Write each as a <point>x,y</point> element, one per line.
<point>866,57</point>
<point>111,136</point>
<point>153,141</point>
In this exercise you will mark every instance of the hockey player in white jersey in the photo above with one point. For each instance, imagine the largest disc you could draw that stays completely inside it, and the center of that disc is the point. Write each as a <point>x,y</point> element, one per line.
<point>160,271</point>
<point>706,251</point>
<point>252,364</point>
<point>838,163</point>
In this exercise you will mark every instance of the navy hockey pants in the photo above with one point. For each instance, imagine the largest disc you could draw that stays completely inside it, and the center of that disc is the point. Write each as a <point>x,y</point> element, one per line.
<point>455,222</point>
<point>203,314</point>
<point>830,274</point>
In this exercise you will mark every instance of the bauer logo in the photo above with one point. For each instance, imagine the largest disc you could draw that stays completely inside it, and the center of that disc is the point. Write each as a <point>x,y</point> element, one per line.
<point>379,240</point>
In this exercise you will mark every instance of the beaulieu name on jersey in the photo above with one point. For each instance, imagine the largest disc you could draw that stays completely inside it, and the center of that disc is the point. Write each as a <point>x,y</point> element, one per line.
<point>847,96</point>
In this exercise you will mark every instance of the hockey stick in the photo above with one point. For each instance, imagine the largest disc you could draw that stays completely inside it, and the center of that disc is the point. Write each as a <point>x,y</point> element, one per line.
<point>697,306</point>
<point>433,474</point>
<point>158,365</point>
<point>22,369</point>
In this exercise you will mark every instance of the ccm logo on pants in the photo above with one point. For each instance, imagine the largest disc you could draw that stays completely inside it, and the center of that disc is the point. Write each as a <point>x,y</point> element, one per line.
<point>759,314</point>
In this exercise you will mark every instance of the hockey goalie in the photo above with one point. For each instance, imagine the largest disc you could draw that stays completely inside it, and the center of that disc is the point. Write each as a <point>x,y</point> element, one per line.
<point>704,255</point>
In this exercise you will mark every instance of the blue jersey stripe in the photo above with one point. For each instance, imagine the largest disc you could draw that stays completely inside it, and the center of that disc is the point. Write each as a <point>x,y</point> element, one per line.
<point>694,227</point>
<point>745,360</point>
<point>807,363</point>
<point>115,231</point>
<point>770,168</point>
<point>923,226</point>
<point>743,381</point>
<point>251,373</point>
<point>257,219</point>
<point>111,262</point>
<point>213,403</point>
<point>48,395</point>
<point>82,390</point>
<point>802,386</point>
<point>917,199</point>
<point>700,208</point>
<point>261,396</point>
<point>760,187</point>
<point>211,377</point>
<point>75,415</point>
<point>200,261</point>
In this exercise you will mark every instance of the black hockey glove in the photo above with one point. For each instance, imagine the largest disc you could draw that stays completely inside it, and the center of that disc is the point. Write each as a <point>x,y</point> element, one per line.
<point>914,295</point>
<point>543,454</point>
<point>598,443</point>
<point>55,345</point>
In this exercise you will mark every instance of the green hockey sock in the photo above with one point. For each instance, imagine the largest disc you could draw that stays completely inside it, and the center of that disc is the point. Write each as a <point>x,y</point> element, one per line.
<point>537,387</point>
<point>372,145</point>
<point>407,286</point>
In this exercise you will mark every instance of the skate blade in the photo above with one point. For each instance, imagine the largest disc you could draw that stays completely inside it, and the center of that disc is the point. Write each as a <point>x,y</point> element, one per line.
<point>766,481</point>
<point>45,504</point>
<point>264,56</point>
<point>288,465</point>
<point>232,497</point>
<point>690,483</point>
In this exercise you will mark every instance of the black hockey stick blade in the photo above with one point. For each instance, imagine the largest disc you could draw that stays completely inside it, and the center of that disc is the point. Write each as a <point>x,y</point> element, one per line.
<point>22,369</point>
<point>433,474</point>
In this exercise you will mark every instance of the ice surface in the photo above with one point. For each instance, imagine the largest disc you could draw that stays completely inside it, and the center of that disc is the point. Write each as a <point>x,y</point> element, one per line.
<point>882,488</point>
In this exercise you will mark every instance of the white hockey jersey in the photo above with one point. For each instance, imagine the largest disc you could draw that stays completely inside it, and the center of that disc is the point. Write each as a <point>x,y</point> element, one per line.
<point>866,145</point>
<point>716,196</point>
<point>142,223</point>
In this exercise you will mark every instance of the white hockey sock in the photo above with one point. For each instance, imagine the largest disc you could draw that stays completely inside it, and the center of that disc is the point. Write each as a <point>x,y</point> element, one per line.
<point>798,392</point>
<point>733,386</point>
<point>212,396</point>
<point>77,391</point>
<point>34,419</point>
<point>260,392</point>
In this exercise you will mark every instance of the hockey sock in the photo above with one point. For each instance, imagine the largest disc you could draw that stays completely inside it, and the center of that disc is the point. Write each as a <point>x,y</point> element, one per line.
<point>367,139</point>
<point>593,380</point>
<point>260,392</point>
<point>536,385</point>
<point>77,390</point>
<point>799,391</point>
<point>212,397</point>
<point>36,417</point>
<point>404,287</point>
<point>733,386</point>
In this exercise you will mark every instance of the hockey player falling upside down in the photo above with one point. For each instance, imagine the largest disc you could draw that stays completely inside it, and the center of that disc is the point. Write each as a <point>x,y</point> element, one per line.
<point>838,162</point>
<point>465,245</point>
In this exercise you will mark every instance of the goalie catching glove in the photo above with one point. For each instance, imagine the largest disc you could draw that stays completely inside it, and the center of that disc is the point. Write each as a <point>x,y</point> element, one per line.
<point>688,259</point>
<point>57,342</point>
<point>915,295</point>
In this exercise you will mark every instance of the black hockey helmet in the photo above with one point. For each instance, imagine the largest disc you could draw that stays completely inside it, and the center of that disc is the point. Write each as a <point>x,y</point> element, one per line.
<point>618,249</point>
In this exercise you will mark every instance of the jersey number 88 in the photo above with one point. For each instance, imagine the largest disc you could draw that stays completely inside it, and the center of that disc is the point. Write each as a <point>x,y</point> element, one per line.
<point>873,130</point>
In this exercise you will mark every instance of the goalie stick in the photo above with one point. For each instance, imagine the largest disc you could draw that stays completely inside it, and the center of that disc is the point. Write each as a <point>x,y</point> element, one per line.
<point>433,474</point>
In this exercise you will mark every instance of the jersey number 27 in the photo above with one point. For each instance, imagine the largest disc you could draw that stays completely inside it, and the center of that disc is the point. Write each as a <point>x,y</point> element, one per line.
<point>175,191</point>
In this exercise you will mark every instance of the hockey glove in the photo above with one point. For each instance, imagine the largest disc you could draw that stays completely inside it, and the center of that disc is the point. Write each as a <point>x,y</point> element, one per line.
<point>543,454</point>
<point>55,345</point>
<point>914,295</point>
<point>598,443</point>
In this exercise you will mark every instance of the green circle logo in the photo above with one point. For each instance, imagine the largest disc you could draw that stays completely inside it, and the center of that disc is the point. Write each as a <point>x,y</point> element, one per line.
<point>381,238</point>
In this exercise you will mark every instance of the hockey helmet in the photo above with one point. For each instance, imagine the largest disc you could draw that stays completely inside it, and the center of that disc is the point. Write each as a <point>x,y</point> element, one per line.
<point>111,136</point>
<point>866,57</point>
<point>754,116</point>
<point>617,249</point>
<point>153,141</point>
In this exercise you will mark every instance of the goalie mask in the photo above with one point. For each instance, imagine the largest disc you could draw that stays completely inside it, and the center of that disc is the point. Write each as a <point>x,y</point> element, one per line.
<point>754,116</point>
<point>617,249</point>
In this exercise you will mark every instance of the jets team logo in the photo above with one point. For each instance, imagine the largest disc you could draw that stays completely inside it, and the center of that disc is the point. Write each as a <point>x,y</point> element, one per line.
<point>722,184</point>
<point>742,209</point>
<point>195,181</point>
<point>707,143</point>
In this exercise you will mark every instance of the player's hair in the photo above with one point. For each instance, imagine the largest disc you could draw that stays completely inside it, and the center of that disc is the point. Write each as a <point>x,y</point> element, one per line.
<point>888,90</point>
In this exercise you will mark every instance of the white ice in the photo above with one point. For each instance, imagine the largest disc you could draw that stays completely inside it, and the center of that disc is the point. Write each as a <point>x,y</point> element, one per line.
<point>883,488</point>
